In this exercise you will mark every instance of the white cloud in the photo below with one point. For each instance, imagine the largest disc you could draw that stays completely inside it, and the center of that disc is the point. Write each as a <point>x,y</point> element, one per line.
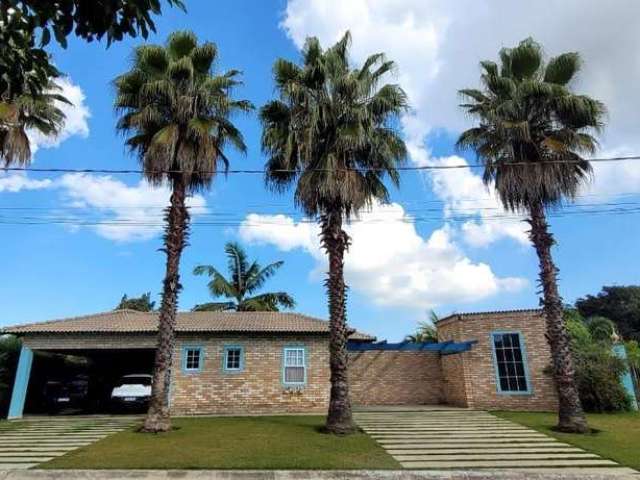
<point>389,261</point>
<point>120,212</point>
<point>15,182</point>
<point>77,116</point>
<point>437,45</point>
<point>474,206</point>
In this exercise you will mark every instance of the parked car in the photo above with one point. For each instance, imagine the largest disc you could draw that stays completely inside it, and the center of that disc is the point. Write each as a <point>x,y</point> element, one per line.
<point>132,392</point>
<point>66,394</point>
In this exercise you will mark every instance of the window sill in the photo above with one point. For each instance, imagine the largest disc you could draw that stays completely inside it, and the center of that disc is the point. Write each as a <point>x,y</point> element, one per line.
<point>515,394</point>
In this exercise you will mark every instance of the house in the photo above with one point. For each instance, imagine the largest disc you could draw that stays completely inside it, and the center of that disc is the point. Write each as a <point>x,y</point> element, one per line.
<point>274,362</point>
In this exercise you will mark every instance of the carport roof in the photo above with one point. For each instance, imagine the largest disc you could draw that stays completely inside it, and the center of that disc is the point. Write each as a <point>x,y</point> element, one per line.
<point>132,321</point>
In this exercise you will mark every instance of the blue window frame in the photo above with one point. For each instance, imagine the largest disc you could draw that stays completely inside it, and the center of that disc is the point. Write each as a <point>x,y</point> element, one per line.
<point>510,363</point>
<point>192,359</point>
<point>294,366</point>
<point>233,359</point>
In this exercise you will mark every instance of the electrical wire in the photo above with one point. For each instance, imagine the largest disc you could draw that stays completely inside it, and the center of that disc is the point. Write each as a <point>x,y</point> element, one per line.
<point>262,171</point>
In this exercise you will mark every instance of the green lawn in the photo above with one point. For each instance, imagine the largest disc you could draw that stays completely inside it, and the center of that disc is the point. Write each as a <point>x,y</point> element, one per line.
<point>618,436</point>
<point>6,425</point>
<point>285,442</point>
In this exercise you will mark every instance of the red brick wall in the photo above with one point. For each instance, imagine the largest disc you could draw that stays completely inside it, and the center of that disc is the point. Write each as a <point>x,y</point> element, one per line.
<point>383,377</point>
<point>258,388</point>
<point>478,372</point>
<point>455,391</point>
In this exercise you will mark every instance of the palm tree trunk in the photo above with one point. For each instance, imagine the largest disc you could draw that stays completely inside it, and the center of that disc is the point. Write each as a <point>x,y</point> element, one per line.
<point>571,417</point>
<point>336,241</point>
<point>177,217</point>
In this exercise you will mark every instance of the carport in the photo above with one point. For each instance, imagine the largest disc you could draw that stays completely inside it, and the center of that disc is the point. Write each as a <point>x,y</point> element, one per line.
<point>109,347</point>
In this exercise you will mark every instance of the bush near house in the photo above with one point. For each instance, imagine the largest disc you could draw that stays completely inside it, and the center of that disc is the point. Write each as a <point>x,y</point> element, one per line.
<point>598,370</point>
<point>9,353</point>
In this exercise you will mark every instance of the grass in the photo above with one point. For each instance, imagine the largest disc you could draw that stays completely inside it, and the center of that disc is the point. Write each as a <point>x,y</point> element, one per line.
<point>283,442</point>
<point>5,425</point>
<point>617,435</point>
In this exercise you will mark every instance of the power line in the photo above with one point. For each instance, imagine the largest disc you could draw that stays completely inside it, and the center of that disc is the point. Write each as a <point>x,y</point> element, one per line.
<point>262,171</point>
<point>151,223</point>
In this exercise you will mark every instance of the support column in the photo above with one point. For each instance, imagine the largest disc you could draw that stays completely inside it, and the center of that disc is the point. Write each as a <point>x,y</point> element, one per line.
<point>20,384</point>
<point>627,382</point>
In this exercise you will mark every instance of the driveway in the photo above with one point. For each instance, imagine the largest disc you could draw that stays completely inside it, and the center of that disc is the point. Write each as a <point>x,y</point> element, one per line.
<point>448,438</point>
<point>27,443</point>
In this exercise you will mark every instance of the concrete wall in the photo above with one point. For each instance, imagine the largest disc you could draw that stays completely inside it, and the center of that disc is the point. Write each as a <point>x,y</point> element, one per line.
<point>256,389</point>
<point>478,371</point>
<point>395,378</point>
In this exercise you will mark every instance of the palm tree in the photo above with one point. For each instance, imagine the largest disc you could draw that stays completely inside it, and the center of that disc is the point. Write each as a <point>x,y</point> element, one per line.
<point>532,132</point>
<point>245,279</point>
<point>426,331</point>
<point>332,133</point>
<point>28,111</point>
<point>176,114</point>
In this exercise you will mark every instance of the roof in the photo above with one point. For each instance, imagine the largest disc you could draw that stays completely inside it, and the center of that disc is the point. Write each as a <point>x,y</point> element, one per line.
<point>461,316</point>
<point>132,321</point>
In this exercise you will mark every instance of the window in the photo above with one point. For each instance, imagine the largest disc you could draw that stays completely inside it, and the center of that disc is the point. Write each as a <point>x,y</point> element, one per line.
<point>510,361</point>
<point>294,366</point>
<point>233,359</point>
<point>192,359</point>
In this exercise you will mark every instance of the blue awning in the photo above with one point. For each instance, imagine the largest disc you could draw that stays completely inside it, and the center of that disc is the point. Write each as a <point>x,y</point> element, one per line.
<point>444,348</point>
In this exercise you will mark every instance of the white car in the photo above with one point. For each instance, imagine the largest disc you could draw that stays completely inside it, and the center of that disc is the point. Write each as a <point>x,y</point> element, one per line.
<point>132,392</point>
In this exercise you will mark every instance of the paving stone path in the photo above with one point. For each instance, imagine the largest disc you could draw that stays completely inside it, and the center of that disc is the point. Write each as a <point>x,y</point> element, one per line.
<point>31,442</point>
<point>422,438</point>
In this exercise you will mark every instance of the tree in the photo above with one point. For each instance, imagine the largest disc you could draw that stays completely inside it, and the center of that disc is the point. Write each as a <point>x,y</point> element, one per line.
<point>24,67</point>
<point>598,370</point>
<point>532,130</point>
<point>426,331</point>
<point>332,133</point>
<point>9,354</point>
<point>39,112</point>
<point>28,26</point>
<point>142,303</point>
<point>176,115</point>
<point>245,279</point>
<point>621,304</point>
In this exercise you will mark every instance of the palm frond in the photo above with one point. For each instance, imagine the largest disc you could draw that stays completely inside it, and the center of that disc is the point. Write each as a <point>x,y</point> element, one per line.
<point>332,132</point>
<point>527,114</point>
<point>214,307</point>
<point>176,112</point>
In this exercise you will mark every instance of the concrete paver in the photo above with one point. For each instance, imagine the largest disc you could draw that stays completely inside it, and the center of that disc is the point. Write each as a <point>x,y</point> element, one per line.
<point>461,439</point>
<point>37,441</point>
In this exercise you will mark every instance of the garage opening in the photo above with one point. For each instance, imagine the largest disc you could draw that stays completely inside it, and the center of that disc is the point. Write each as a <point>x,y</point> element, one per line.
<point>82,381</point>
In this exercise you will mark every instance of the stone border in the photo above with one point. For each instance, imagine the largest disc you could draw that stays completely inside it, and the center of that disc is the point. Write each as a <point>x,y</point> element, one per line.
<point>515,474</point>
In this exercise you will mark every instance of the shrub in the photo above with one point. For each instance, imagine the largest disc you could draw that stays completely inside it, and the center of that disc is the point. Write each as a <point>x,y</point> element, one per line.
<point>598,370</point>
<point>9,352</point>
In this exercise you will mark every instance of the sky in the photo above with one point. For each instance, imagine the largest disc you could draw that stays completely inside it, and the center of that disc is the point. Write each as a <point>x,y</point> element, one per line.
<point>74,243</point>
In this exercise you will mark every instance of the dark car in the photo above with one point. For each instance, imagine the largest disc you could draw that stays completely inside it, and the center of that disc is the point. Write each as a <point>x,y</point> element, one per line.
<point>68,393</point>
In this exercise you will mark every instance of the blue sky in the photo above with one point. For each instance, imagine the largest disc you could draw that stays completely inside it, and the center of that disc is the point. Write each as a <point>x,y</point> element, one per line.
<point>407,257</point>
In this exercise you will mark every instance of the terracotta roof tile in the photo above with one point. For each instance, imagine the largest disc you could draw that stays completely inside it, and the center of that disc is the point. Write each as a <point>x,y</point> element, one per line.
<point>522,311</point>
<point>132,321</point>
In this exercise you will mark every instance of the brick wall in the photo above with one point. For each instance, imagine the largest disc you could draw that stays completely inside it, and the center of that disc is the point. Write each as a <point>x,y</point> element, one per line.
<point>478,372</point>
<point>80,341</point>
<point>376,377</point>
<point>258,388</point>
<point>383,377</point>
<point>454,387</point>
